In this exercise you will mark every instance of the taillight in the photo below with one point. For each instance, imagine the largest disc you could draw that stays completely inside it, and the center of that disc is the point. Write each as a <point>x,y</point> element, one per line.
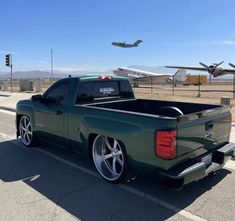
<point>105,77</point>
<point>231,121</point>
<point>165,144</point>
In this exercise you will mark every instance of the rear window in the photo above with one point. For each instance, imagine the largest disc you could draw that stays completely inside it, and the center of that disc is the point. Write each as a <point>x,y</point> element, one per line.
<point>104,89</point>
<point>93,90</point>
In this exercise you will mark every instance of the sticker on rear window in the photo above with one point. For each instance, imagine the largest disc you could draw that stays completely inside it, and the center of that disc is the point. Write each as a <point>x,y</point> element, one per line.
<point>106,90</point>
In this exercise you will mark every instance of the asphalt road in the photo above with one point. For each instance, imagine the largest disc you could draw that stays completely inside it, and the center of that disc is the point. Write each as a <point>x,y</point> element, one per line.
<point>52,183</point>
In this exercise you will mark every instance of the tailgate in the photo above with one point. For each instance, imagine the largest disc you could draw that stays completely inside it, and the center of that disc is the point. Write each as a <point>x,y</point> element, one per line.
<point>203,131</point>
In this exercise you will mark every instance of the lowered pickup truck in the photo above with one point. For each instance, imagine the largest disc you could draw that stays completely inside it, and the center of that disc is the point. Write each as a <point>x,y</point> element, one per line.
<point>99,116</point>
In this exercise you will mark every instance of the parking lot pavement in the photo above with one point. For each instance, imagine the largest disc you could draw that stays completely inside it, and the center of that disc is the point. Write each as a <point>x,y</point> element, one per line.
<point>54,183</point>
<point>51,183</point>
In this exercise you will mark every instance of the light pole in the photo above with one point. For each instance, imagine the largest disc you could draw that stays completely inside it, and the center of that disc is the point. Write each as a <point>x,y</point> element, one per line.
<point>9,64</point>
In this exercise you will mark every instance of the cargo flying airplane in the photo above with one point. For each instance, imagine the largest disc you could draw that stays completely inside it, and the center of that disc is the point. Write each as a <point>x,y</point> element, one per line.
<point>126,45</point>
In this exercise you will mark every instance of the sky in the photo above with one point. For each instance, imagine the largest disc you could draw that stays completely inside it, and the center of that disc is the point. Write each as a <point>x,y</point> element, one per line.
<point>80,32</point>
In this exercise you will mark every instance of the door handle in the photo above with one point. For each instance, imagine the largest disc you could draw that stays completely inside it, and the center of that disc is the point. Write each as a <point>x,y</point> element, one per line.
<point>59,112</point>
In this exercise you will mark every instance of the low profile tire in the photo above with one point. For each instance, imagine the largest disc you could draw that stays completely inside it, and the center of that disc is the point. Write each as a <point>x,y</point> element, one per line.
<point>26,132</point>
<point>110,159</point>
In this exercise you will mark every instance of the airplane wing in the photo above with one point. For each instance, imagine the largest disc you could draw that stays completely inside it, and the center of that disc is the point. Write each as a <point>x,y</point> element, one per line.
<point>230,71</point>
<point>220,71</point>
<point>136,75</point>
<point>188,68</point>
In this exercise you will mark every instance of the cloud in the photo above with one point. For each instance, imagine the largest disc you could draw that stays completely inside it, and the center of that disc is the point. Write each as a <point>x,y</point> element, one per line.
<point>228,42</point>
<point>213,43</point>
<point>225,42</point>
<point>199,44</point>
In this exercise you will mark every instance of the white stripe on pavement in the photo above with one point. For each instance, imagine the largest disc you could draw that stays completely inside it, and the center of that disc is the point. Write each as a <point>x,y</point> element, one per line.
<point>7,112</point>
<point>6,136</point>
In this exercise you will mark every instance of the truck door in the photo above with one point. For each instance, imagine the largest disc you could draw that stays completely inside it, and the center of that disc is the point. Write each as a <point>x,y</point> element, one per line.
<point>50,113</point>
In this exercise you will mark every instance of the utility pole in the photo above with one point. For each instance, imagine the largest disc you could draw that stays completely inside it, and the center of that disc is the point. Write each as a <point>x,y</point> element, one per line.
<point>11,79</point>
<point>51,66</point>
<point>9,64</point>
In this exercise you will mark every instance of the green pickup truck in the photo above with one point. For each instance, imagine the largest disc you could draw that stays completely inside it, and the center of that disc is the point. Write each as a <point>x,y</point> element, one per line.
<point>99,116</point>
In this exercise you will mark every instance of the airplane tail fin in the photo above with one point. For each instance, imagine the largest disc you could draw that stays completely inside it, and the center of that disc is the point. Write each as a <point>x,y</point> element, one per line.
<point>180,75</point>
<point>138,42</point>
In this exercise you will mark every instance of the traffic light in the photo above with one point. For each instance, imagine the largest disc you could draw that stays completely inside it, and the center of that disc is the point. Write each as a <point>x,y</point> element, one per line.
<point>8,60</point>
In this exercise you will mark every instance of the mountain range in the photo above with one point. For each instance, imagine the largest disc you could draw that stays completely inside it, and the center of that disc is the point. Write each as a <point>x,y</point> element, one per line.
<point>57,74</point>
<point>44,74</point>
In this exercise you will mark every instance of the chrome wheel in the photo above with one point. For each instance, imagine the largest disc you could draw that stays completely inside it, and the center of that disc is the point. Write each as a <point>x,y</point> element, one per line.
<point>109,158</point>
<point>26,131</point>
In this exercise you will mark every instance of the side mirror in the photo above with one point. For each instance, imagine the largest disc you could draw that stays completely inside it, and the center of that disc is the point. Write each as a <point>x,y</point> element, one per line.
<point>37,97</point>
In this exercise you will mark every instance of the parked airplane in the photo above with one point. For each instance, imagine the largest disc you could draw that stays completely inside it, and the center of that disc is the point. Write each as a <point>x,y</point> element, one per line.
<point>132,74</point>
<point>213,69</point>
<point>125,45</point>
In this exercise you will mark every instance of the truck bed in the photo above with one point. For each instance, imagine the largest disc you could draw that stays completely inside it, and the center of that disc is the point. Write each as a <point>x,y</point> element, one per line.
<point>156,107</point>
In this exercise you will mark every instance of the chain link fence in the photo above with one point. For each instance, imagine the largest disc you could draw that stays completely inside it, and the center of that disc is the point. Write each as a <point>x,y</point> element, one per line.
<point>213,89</point>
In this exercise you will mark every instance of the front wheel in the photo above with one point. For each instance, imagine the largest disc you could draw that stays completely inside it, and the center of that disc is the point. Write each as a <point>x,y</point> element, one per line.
<point>26,132</point>
<point>109,157</point>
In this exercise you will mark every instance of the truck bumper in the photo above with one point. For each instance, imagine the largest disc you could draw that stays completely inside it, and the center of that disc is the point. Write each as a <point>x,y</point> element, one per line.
<point>198,168</point>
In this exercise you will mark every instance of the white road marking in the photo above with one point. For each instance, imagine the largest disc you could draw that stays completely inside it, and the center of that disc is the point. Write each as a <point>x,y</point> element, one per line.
<point>7,112</point>
<point>6,136</point>
<point>138,193</point>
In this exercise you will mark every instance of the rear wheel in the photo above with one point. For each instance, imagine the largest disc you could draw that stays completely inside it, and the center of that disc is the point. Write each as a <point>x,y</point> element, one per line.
<point>26,132</point>
<point>109,157</point>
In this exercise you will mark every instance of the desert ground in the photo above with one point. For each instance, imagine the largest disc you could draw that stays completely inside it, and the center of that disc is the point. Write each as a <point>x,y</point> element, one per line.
<point>209,93</point>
